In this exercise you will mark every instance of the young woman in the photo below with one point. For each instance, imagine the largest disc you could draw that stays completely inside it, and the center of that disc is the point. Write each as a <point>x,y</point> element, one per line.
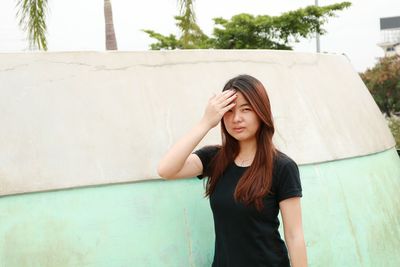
<point>249,180</point>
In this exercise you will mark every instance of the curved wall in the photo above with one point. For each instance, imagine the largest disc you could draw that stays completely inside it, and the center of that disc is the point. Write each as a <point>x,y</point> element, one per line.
<point>350,216</point>
<point>89,120</point>
<point>77,119</point>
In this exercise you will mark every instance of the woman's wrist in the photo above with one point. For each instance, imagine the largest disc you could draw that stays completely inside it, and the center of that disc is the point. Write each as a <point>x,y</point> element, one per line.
<point>205,125</point>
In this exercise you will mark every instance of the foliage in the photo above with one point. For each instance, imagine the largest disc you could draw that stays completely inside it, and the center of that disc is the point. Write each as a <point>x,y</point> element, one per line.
<point>32,18</point>
<point>194,38</point>
<point>383,81</point>
<point>394,125</point>
<point>186,22</point>
<point>192,35</point>
<point>245,31</point>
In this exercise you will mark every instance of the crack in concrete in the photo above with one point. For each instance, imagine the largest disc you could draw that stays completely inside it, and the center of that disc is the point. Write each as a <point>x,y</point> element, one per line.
<point>13,67</point>
<point>103,67</point>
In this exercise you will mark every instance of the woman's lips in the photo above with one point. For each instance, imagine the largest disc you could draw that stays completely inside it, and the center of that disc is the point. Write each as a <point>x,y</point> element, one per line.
<point>238,129</point>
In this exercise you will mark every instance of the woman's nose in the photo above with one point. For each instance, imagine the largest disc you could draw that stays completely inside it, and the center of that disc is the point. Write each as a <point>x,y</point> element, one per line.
<point>237,117</point>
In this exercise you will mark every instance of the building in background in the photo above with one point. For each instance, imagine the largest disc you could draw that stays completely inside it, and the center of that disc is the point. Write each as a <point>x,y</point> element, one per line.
<point>390,32</point>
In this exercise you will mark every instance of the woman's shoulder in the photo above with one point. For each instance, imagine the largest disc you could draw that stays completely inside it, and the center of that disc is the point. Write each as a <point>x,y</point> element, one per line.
<point>282,161</point>
<point>208,150</point>
<point>282,158</point>
<point>206,153</point>
<point>286,177</point>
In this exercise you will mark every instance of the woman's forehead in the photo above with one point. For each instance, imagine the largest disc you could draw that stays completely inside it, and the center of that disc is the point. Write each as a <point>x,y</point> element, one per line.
<point>240,100</point>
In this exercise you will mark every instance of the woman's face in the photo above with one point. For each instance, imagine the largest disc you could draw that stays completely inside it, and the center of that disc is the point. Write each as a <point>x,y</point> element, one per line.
<point>241,122</point>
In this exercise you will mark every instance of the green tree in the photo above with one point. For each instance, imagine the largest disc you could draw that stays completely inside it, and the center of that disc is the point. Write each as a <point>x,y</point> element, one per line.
<point>187,23</point>
<point>394,126</point>
<point>245,31</point>
<point>192,35</point>
<point>32,19</point>
<point>195,39</point>
<point>383,81</point>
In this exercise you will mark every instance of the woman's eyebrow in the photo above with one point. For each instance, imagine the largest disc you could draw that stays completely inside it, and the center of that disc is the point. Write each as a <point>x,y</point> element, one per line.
<point>244,104</point>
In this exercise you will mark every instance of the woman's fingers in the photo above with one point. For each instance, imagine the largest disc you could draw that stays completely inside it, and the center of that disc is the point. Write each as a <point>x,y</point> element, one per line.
<point>218,105</point>
<point>228,100</point>
<point>225,94</point>
<point>228,107</point>
<point>222,98</point>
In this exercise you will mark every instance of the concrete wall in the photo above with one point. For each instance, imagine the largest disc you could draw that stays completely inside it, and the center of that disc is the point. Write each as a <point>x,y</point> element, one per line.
<point>77,119</point>
<point>97,123</point>
<point>350,215</point>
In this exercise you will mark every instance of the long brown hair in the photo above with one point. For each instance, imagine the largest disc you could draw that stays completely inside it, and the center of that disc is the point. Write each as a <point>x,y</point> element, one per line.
<point>257,180</point>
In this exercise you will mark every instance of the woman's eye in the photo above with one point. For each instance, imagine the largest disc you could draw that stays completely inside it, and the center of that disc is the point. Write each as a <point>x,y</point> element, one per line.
<point>246,109</point>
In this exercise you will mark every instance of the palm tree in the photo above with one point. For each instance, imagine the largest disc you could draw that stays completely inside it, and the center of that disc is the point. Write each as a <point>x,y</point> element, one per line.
<point>111,41</point>
<point>187,20</point>
<point>32,19</point>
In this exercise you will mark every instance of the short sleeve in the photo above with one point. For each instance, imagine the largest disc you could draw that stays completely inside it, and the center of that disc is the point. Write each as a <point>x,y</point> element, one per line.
<point>289,184</point>
<point>206,155</point>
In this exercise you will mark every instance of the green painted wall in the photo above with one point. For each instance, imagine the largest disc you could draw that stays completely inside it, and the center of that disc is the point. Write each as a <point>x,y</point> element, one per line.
<point>351,214</point>
<point>351,211</point>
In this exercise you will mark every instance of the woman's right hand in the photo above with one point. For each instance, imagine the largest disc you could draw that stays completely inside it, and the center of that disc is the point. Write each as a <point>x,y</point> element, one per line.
<point>178,162</point>
<point>217,106</point>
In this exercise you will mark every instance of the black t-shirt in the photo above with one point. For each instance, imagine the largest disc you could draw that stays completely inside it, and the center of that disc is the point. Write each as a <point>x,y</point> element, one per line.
<point>245,237</point>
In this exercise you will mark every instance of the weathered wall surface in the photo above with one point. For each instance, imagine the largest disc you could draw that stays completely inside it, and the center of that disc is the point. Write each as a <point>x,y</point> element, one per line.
<point>350,216</point>
<point>76,119</point>
<point>92,119</point>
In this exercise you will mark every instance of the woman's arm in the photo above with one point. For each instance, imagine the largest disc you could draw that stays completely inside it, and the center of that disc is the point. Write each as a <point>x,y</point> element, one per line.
<point>293,229</point>
<point>179,162</point>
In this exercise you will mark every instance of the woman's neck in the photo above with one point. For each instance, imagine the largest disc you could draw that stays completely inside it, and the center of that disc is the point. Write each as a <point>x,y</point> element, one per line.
<point>247,149</point>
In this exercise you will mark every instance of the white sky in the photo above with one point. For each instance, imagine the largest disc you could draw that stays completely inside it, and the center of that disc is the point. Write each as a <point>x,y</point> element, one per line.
<point>76,25</point>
